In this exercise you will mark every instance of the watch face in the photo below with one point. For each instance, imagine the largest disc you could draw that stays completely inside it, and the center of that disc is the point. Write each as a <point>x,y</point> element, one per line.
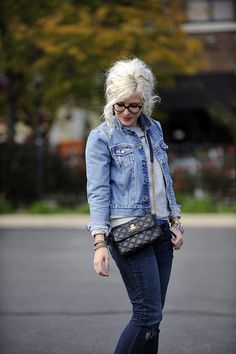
<point>175,219</point>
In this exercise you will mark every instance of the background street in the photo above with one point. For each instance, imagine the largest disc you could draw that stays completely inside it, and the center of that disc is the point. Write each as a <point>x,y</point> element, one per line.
<point>52,302</point>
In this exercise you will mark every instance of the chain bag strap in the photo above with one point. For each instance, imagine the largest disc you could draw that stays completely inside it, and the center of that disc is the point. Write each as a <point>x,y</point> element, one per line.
<point>152,175</point>
<point>142,231</point>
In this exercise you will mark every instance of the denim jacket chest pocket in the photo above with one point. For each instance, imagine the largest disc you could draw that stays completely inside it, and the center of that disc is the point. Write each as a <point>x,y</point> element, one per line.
<point>123,154</point>
<point>160,152</point>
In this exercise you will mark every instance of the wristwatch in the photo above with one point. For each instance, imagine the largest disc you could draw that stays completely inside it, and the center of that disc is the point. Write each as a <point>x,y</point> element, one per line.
<point>176,223</point>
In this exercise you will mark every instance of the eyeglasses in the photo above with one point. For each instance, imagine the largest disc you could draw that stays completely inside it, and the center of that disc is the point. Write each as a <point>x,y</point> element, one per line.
<point>132,108</point>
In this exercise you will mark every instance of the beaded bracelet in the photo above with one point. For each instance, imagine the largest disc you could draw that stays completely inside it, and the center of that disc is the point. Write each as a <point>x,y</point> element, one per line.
<point>100,246</point>
<point>99,241</point>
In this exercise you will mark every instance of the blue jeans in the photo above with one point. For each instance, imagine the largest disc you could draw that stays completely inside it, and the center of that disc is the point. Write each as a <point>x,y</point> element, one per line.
<point>146,276</point>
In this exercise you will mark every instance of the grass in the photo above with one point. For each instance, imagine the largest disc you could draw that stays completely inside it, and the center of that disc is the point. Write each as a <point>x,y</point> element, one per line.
<point>206,205</point>
<point>5,207</point>
<point>188,205</point>
<point>44,207</point>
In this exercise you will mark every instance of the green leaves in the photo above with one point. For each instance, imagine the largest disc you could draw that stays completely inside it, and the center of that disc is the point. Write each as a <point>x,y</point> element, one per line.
<point>71,43</point>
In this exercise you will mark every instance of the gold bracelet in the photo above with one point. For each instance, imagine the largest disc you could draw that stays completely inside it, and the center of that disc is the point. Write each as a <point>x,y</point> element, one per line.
<point>175,221</point>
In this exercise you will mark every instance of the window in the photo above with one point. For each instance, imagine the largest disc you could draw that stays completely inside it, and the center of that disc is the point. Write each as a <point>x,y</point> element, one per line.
<point>210,10</point>
<point>223,10</point>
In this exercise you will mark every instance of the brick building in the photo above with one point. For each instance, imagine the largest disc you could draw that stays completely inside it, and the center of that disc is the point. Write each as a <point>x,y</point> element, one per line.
<point>189,104</point>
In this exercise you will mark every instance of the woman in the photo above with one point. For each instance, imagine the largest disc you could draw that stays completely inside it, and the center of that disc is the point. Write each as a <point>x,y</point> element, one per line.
<point>119,190</point>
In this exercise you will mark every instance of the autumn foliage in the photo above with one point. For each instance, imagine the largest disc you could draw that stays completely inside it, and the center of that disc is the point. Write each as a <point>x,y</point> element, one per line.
<point>58,50</point>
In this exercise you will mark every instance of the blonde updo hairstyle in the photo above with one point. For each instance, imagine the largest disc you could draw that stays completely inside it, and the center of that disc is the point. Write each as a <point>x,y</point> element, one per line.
<point>126,78</point>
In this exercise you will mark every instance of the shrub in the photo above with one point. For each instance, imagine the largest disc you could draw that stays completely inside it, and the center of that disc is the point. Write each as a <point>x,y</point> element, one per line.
<point>5,207</point>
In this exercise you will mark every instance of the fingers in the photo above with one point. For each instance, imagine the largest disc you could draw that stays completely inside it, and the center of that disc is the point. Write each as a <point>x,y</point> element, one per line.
<point>178,245</point>
<point>101,269</point>
<point>177,238</point>
<point>107,263</point>
<point>101,262</point>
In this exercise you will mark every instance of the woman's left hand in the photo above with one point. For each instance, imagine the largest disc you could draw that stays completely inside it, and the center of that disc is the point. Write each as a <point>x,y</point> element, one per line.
<point>177,237</point>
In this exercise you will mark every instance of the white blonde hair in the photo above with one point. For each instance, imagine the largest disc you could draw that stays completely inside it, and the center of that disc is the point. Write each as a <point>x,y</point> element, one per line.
<point>125,78</point>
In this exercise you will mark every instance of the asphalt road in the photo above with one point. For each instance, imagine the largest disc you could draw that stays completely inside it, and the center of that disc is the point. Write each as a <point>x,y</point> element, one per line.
<point>51,301</point>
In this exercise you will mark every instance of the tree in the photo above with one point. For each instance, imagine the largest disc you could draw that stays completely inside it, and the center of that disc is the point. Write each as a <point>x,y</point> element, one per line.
<point>68,44</point>
<point>19,81</point>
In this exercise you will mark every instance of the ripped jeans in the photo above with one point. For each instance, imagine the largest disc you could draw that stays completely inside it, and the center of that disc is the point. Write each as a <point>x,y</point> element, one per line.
<point>146,276</point>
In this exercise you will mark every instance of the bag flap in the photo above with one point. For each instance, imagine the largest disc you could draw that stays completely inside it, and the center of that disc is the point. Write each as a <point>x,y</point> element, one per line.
<point>133,227</point>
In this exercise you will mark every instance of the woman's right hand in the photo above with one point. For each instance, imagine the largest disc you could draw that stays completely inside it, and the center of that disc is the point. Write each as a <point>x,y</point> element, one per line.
<point>101,261</point>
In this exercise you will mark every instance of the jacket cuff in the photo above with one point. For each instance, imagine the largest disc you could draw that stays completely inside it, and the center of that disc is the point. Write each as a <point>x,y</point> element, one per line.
<point>98,229</point>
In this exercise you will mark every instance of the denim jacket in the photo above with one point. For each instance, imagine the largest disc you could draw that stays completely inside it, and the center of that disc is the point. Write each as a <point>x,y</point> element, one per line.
<point>117,172</point>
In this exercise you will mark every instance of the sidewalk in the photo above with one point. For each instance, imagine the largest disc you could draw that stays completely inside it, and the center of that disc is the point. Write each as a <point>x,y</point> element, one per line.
<point>73,221</point>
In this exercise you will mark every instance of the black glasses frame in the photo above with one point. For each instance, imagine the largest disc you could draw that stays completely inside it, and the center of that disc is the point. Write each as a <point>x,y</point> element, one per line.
<point>128,107</point>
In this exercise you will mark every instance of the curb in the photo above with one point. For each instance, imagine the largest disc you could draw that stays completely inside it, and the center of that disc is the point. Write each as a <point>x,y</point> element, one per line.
<point>44,221</point>
<point>13,221</point>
